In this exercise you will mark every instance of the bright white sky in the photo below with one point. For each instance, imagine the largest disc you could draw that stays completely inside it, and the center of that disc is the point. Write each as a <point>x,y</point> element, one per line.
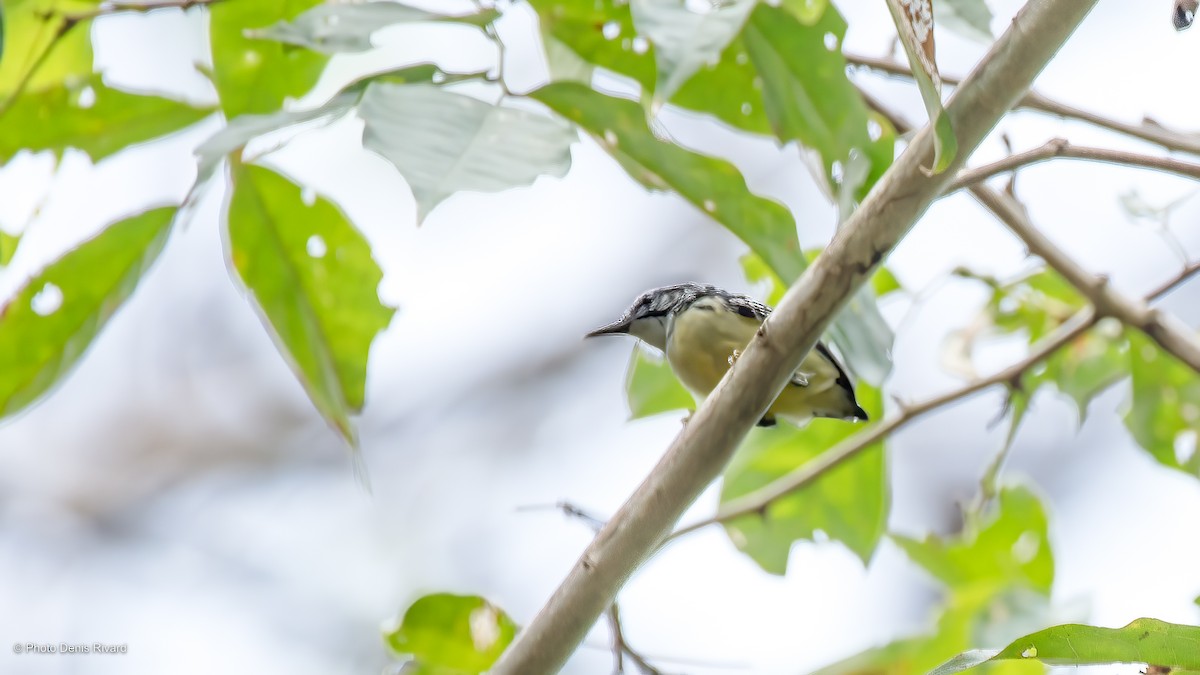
<point>178,493</point>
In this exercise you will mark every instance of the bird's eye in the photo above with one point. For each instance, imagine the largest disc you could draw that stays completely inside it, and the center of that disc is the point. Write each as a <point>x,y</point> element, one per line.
<point>746,312</point>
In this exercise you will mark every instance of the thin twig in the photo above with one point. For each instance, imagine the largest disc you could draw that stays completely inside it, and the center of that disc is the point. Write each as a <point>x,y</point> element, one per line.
<point>1148,130</point>
<point>758,501</point>
<point>1169,332</point>
<point>1059,147</point>
<point>621,648</point>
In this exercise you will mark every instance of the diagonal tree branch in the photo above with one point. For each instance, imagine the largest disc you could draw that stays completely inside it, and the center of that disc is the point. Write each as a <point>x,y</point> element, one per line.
<point>701,451</point>
<point>1060,147</point>
<point>1148,131</point>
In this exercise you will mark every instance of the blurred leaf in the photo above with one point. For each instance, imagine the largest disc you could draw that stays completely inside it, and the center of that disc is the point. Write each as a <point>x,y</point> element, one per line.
<point>1009,548</point>
<point>1148,641</point>
<point>30,28</point>
<point>712,185</point>
<point>651,386</point>
<point>1086,367</point>
<point>1164,416</point>
<point>884,282</point>
<point>314,280</point>
<point>443,142</point>
<point>807,94</point>
<point>969,614</point>
<point>602,32</point>
<point>91,117</point>
<point>257,76</point>
<point>969,18</point>
<point>8,247</point>
<point>54,317</point>
<point>684,40</point>
<point>242,129</point>
<point>850,503</point>
<point>564,64</point>
<point>808,11</point>
<point>452,633</point>
<point>334,28</point>
<point>914,23</point>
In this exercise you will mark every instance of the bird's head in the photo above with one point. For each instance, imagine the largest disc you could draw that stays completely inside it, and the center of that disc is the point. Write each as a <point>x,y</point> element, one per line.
<point>646,319</point>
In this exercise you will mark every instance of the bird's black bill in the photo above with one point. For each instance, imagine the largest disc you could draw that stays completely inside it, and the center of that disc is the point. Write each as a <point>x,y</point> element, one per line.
<point>615,328</point>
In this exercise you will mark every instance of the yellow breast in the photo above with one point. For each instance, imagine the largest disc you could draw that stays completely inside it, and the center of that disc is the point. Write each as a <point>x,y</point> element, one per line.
<point>701,340</point>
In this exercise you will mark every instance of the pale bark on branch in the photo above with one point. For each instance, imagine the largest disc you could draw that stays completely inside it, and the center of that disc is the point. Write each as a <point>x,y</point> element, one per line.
<point>701,451</point>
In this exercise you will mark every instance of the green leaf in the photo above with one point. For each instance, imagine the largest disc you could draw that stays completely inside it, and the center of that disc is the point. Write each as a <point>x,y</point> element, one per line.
<point>808,96</point>
<point>443,142</point>
<point>8,247</point>
<point>89,116</point>
<point>564,64</point>
<point>313,278</point>
<point>884,282</point>
<point>1087,366</point>
<point>336,28</point>
<point>462,633</point>
<point>1009,548</point>
<point>969,18</point>
<point>54,317</point>
<point>30,28</point>
<point>257,76</point>
<point>651,386</point>
<point>602,32</point>
<point>1164,416</point>
<point>969,615</point>
<point>712,185</point>
<point>684,40</point>
<point>850,503</point>
<point>1148,641</point>
<point>920,51</point>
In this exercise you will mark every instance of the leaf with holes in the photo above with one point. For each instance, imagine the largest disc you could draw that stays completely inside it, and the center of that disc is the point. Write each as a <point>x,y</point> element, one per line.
<point>850,503</point>
<point>313,278</point>
<point>684,41</point>
<point>808,97</point>
<point>452,634</point>
<point>54,317</point>
<point>257,76</point>
<point>712,185</point>
<point>651,386</point>
<point>443,142</point>
<point>914,22</point>
<point>602,33</point>
<point>337,28</point>
<point>88,116</point>
<point>1010,547</point>
<point>1164,416</point>
<point>1149,641</point>
<point>31,30</point>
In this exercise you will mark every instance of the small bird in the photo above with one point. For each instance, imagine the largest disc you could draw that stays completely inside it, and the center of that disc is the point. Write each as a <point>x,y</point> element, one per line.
<point>703,329</point>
